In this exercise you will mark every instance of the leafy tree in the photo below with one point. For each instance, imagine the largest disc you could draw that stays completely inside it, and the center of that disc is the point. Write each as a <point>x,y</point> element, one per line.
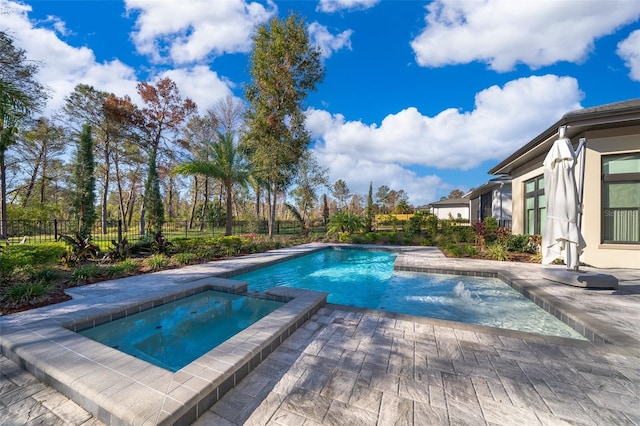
<point>345,221</point>
<point>20,95</point>
<point>84,185</point>
<point>226,163</point>
<point>382,198</point>
<point>153,198</point>
<point>368,211</point>
<point>88,105</point>
<point>455,194</point>
<point>123,118</point>
<point>310,176</point>
<point>284,67</point>
<point>402,207</point>
<point>162,115</point>
<point>325,209</point>
<point>38,150</point>
<point>341,192</point>
<point>198,133</point>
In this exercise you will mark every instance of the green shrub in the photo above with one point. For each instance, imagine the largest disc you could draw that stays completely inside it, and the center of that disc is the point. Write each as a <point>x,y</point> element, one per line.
<point>519,243</point>
<point>20,293</point>
<point>184,258</point>
<point>462,250</point>
<point>497,251</point>
<point>160,245</point>
<point>129,266</point>
<point>231,244</point>
<point>157,261</point>
<point>22,255</point>
<point>85,274</point>
<point>118,250</point>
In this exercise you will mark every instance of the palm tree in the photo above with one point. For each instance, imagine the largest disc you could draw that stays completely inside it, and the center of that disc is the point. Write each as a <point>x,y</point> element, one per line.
<point>225,163</point>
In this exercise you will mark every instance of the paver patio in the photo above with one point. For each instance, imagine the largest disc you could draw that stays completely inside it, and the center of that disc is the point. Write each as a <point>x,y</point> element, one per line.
<point>354,366</point>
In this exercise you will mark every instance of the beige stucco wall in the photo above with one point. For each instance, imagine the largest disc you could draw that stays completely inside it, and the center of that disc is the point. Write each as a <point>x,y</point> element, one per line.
<point>599,143</point>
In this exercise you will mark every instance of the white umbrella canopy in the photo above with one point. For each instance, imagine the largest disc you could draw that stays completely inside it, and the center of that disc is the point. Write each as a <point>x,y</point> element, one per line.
<point>561,237</point>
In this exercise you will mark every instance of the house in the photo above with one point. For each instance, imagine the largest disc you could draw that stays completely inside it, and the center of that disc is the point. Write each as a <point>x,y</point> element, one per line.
<point>610,220</point>
<point>492,199</point>
<point>450,208</point>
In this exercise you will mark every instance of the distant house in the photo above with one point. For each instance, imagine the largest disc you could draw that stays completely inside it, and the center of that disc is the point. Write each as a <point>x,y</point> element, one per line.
<point>450,208</point>
<point>611,205</point>
<point>492,199</point>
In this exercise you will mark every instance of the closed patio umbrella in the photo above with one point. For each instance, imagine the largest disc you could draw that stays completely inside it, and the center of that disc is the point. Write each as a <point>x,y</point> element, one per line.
<point>562,237</point>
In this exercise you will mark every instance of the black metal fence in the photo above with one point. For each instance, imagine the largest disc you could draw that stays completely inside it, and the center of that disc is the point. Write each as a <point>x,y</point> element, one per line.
<point>41,231</point>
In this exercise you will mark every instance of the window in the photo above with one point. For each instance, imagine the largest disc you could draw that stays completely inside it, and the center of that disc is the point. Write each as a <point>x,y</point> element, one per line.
<point>535,206</point>
<point>621,199</point>
<point>485,206</point>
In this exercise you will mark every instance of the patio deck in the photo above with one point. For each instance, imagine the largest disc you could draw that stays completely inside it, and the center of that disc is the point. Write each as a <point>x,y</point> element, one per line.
<point>354,366</point>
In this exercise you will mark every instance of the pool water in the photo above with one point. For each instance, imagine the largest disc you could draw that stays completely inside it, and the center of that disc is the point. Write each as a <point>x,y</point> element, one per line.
<point>175,334</point>
<point>366,279</point>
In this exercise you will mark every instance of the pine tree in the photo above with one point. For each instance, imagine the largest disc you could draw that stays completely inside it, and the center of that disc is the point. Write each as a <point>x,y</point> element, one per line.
<point>84,185</point>
<point>369,210</point>
<point>152,198</point>
<point>284,67</point>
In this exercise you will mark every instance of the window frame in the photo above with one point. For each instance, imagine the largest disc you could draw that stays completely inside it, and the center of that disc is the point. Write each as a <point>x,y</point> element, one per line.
<point>536,194</point>
<point>615,178</point>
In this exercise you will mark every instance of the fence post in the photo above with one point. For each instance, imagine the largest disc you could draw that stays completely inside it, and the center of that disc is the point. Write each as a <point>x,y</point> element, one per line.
<point>55,229</point>
<point>119,231</point>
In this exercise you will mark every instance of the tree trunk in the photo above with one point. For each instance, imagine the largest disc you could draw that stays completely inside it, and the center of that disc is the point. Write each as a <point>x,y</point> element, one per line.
<point>258,202</point>
<point>205,201</point>
<point>3,196</point>
<point>229,222</point>
<point>31,184</point>
<point>272,211</point>
<point>142,212</point>
<point>123,212</point>
<point>105,194</point>
<point>194,201</point>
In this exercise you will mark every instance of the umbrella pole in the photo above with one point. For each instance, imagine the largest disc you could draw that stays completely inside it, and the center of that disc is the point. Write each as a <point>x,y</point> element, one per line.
<point>580,155</point>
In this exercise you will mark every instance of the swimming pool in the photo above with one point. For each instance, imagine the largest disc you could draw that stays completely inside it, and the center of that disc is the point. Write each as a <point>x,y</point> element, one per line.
<point>366,279</point>
<point>174,334</point>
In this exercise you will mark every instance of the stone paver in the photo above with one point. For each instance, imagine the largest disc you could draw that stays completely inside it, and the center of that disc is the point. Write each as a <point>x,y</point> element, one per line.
<point>361,367</point>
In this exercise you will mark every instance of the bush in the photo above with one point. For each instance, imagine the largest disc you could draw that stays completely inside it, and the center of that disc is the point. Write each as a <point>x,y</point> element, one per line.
<point>118,251</point>
<point>157,261</point>
<point>519,243</point>
<point>86,274</point>
<point>497,251</point>
<point>184,258</point>
<point>20,293</point>
<point>462,250</point>
<point>81,249</point>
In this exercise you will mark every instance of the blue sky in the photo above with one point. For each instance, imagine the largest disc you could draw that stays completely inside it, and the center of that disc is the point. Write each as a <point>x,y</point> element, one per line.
<point>418,95</point>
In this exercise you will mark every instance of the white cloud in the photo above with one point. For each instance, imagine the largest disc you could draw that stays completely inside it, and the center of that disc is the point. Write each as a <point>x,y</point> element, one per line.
<point>330,6</point>
<point>328,43</point>
<point>191,30</point>
<point>502,121</point>
<point>202,85</point>
<point>503,33</point>
<point>629,51</point>
<point>62,67</point>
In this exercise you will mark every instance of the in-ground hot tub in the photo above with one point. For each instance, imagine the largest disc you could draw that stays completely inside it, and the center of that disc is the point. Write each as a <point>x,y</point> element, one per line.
<point>121,389</point>
<point>175,334</point>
